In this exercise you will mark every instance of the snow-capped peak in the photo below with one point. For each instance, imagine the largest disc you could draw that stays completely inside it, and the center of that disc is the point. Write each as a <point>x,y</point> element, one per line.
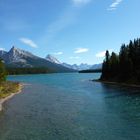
<point>17,55</point>
<point>2,52</point>
<point>16,51</point>
<point>52,59</point>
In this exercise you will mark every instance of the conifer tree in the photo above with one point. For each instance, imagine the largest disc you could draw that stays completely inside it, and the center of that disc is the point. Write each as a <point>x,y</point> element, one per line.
<point>124,67</point>
<point>2,72</point>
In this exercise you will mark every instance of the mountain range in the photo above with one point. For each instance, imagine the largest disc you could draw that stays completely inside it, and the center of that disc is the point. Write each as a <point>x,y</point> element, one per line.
<point>82,66</point>
<point>53,59</point>
<point>18,58</point>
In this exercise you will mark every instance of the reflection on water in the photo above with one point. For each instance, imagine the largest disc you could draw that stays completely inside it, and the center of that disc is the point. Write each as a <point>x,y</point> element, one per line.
<point>70,107</point>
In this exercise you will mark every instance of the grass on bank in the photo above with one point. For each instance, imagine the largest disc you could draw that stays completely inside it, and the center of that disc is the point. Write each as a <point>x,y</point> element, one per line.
<point>7,88</point>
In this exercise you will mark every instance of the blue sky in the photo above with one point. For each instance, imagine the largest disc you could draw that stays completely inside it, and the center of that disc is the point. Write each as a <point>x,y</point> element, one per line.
<point>74,31</point>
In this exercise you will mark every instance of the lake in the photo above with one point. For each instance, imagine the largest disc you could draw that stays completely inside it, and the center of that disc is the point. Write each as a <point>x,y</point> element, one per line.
<point>70,107</point>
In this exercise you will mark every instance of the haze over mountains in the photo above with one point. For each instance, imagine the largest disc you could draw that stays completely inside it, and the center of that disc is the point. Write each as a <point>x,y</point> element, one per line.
<point>82,66</point>
<point>19,58</point>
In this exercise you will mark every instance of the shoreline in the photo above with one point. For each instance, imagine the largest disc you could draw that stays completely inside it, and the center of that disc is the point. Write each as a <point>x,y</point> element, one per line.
<point>117,83</point>
<point>3,100</point>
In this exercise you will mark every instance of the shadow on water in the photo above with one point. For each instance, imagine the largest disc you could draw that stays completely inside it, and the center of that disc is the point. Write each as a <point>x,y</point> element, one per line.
<point>115,91</point>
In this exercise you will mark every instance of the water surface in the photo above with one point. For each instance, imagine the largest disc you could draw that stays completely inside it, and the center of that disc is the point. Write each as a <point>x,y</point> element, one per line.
<point>70,107</point>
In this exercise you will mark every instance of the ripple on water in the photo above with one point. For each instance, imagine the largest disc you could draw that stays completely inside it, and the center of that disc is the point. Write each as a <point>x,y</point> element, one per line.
<point>70,108</point>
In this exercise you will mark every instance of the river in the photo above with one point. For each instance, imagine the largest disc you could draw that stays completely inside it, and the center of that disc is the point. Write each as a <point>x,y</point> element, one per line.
<point>70,107</point>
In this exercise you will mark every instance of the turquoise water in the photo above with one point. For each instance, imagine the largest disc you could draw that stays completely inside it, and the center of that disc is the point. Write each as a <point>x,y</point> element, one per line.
<point>70,107</point>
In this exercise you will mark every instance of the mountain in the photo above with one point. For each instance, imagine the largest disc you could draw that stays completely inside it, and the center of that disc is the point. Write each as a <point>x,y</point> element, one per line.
<point>18,58</point>
<point>2,52</point>
<point>77,67</point>
<point>52,59</point>
<point>83,66</point>
<point>74,66</point>
<point>67,65</point>
<point>93,69</point>
<point>96,66</point>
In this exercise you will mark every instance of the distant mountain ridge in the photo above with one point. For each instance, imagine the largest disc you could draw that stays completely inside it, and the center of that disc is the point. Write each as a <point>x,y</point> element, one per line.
<point>82,66</point>
<point>77,67</point>
<point>97,66</point>
<point>19,58</point>
<point>52,59</point>
<point>2,52</point>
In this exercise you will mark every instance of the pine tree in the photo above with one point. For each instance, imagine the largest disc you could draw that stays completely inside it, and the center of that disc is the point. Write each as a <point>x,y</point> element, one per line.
<point>114,64</point>
<point>124,67</point>
<point>106,67</point>
<point>2,72</point>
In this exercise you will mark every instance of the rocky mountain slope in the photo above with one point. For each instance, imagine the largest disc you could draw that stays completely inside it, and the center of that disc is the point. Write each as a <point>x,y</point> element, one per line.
<point>18,58</point>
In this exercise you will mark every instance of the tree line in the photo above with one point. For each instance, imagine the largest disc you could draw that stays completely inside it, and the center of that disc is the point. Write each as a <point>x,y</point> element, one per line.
<point>125,66</point>
<point>34,70</point>
<point>91,71</point>
<point>3,73</point>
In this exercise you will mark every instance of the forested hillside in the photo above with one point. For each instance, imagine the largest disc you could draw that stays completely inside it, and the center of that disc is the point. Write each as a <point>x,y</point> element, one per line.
<point>125,66</point>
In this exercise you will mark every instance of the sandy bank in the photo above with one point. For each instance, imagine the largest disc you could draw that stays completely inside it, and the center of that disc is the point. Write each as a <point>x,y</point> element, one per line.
<point>10,96</point>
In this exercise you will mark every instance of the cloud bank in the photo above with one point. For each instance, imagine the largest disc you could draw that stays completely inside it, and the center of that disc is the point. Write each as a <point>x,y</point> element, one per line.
<point>114,5</point>
<point>28,42</point>
<point>2,49</point>
<point>102,54</point>
<point>81,50</point>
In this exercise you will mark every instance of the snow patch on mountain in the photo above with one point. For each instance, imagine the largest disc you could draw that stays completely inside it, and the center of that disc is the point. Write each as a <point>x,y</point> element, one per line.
<point>52,59</point>
<point>17,55</point>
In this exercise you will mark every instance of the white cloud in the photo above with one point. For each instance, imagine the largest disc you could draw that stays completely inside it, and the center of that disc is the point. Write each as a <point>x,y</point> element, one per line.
<point>102,54</point>
<point>114,5</point>
<point>74,57</point>
<point>80,2</point>
<point>111,9</point>
<point>81,50</point>
<point>58,53</point>
<point>28,42</point>
<point>2,49</point>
